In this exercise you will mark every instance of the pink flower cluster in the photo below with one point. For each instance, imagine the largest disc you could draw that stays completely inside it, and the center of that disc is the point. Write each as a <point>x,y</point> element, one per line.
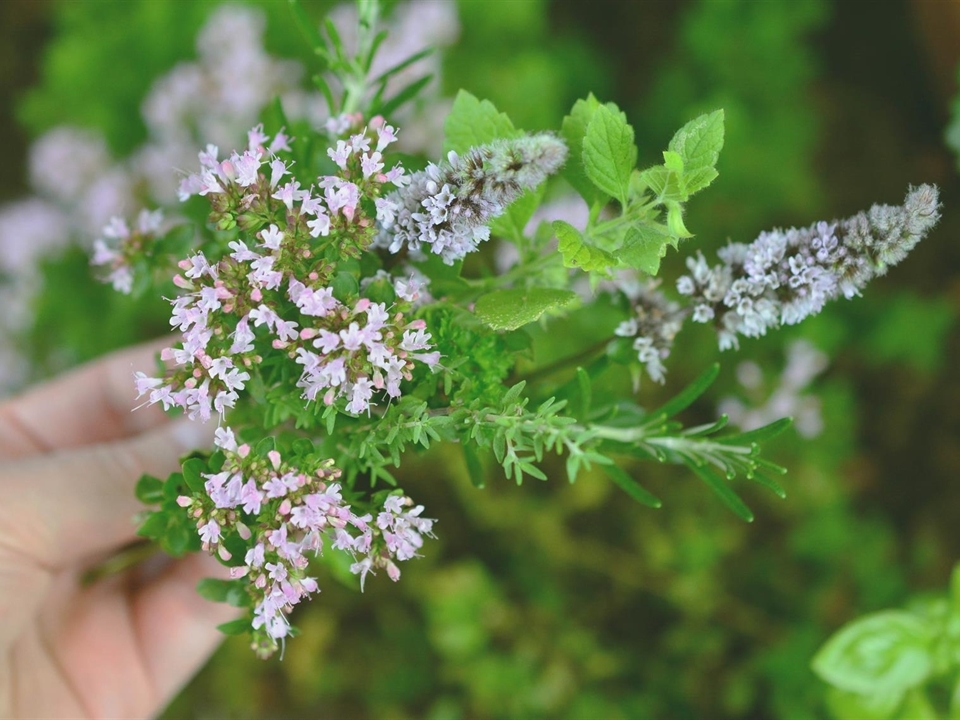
<point>274,291</point>
<point>284,513</point>
<point>117,258</point>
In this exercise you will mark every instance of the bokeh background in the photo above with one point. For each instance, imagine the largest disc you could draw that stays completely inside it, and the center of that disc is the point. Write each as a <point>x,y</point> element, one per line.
<point>559,601</point>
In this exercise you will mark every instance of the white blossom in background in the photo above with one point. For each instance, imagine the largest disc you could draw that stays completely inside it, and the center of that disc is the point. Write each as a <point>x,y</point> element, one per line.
<point>790,398</point>
<point>29,230</point>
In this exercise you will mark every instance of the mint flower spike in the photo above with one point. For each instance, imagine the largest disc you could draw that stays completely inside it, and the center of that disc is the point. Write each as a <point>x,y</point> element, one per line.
<point>448,206</point>
<point>783,277</point>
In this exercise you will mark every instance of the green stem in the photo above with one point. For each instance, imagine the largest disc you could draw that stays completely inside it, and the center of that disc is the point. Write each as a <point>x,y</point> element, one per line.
<point>560,364</point>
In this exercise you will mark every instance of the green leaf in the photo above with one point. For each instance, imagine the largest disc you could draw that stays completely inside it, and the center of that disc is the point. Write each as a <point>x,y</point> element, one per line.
<point>473,122</point>
<point>214,590</point>
<point>573,130</point>
<point>723,490</point>
<point>235,627</point>
<point>307,26</point>
<point>630,486</point>
<point>154,526</point>
<point>577,253</point>
<point>403,96</point>
<point>881,652</point>
<point>191,474</point>
<point>643,247</point>
<point>675,220</point>
<point>149,490</point>
<point>609,153</point>
<point>662,181</point>
<point>511,309</point>
<point>687,396</point>
<point>673,161</point>
<point>474,466</point>
<point>585,393</point>
<point>698,143</point>
<point>696,180</point>
<point>845,705</point>
<point>760,434</point>
<point>176,539</point>
<point>916,706</point>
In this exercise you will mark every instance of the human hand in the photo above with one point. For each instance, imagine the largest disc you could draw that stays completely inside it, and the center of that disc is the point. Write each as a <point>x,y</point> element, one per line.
<point>71,452</point>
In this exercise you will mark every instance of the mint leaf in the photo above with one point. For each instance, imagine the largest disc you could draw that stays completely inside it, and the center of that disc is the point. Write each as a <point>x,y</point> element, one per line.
<point>882,652</point>
<point>573,130</point>
<point>473,122</point>
<point>511,309</point>
<point>662,181</point>
<point>698,145</point>
<point>609,153</point>
<point>696,180</point>
<point>643,247</point>
<point>576,253</point>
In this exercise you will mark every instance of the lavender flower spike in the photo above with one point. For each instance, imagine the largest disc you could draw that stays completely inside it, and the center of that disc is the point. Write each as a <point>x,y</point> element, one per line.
<point>448,206</point>
<point>783,277</point>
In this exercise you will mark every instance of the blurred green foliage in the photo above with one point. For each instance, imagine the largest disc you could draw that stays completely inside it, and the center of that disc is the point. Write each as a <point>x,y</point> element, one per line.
<point>564,601</point>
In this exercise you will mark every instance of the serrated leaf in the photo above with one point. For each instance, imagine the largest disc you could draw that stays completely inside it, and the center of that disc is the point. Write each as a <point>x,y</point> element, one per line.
<point>473,122</point>
<point>696,180</point>
<point>881,652</point>
<point>609,153</point>
<point>578,254</point>
<point>662,181</point>
<point>723,490</point>
<point>573,130</point>
<point>673,161</point>
<point>631,487</point>
<point>514,308</point>
<point>698,143</point>
<point>642,249</point>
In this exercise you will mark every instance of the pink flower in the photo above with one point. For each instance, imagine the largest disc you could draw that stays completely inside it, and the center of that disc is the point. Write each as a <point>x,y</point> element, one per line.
<point>210,532</point>
<point>272,237</point>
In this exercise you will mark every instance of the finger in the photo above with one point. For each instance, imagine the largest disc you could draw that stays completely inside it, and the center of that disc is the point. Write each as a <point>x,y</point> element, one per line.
<point>89,405</point>
<point>63,506</point>
<point>125,648</point>
<point>177,628</point>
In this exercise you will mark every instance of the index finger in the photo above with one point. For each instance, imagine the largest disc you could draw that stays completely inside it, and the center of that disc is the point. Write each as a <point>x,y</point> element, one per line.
<point>89,405</point>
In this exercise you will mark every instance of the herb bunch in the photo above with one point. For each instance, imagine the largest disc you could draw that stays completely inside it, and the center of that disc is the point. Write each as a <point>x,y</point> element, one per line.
<point>335,312</point>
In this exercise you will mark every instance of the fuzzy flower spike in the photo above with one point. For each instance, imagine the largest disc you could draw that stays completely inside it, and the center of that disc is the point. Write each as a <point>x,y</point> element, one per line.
<point>783,277</point>
<point>448,206</point>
